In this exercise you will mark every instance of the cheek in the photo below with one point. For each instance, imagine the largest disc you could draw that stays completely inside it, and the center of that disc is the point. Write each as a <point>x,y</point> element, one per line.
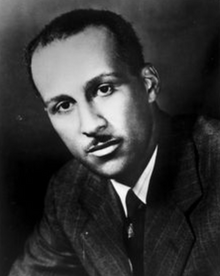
<point>129,114</point>
<point>116,110</point>
<point>67,132</point>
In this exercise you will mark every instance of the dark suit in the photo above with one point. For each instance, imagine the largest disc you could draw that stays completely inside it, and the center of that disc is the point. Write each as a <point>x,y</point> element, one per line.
<point>81,233</point>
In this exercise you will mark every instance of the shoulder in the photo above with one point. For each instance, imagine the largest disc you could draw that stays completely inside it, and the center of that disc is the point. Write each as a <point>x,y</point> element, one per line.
<point>207,129</point>
<point>206,135</point>
<point>66,187</point>
<point>70,175</point>
<point>204,131</point>
<point>71,193</point>
<point>199,136</point>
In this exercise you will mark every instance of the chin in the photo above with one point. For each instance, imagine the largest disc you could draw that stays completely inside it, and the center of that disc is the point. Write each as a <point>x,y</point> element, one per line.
<point>109,170</point>
<point>114,168</point>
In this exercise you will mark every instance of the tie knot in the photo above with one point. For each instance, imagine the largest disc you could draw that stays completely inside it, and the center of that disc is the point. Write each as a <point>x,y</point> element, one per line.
<point>133,203</point>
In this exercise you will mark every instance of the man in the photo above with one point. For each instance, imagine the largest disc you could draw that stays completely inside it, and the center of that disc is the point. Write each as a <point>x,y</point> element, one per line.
<point>100,96</point>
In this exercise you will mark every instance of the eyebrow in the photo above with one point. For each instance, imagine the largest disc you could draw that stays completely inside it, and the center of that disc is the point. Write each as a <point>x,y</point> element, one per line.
<point>89,85</point>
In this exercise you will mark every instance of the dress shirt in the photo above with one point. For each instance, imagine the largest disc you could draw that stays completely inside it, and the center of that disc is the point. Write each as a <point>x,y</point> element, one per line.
<point>141,187</point>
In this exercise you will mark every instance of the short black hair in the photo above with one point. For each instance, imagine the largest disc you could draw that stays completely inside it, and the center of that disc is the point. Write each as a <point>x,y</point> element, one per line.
<point>128,47</point>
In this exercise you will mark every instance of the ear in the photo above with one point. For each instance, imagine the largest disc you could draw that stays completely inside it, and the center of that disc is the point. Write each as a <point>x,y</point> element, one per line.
<point>151,81</point>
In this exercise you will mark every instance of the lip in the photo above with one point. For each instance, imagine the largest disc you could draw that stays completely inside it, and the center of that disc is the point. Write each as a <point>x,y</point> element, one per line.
<point>104,148</point>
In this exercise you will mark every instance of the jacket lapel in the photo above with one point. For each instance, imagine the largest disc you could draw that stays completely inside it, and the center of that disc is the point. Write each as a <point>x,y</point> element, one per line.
<point>174,193</point>
<point>101,236</point>
<point>168,241</point>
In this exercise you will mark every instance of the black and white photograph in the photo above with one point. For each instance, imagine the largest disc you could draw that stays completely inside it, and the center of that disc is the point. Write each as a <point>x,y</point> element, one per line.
<point>109,138</point>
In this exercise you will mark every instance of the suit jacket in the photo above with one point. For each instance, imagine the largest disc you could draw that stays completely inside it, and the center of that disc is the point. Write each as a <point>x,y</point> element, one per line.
<point>81,232</point>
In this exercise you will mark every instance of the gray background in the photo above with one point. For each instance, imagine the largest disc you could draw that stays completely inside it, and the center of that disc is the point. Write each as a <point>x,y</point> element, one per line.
<point>180,37</point>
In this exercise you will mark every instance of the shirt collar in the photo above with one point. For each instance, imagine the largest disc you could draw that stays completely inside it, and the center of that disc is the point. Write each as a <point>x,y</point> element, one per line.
<point>142,185</point>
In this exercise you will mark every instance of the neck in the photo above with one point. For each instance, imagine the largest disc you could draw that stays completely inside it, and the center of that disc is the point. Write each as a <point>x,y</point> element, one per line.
<point>132,177</point>
<point>134,171</point>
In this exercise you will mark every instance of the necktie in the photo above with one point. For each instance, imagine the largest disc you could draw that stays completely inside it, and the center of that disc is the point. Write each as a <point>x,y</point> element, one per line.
<point>134,232</point>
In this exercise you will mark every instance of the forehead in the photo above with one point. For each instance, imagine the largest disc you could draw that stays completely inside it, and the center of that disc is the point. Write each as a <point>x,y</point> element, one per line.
<point>92,35</point>
<point>83,54</point>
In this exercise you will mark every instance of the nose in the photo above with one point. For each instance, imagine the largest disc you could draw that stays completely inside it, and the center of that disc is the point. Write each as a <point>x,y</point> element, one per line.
<point>91,121</point>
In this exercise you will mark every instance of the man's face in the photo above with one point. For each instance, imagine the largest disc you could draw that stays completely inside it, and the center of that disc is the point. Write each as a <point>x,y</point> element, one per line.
<point>101,112</point>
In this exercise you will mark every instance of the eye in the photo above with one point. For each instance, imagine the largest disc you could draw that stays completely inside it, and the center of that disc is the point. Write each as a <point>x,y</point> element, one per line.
<point>105,90</point>
<point>62,107</point>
